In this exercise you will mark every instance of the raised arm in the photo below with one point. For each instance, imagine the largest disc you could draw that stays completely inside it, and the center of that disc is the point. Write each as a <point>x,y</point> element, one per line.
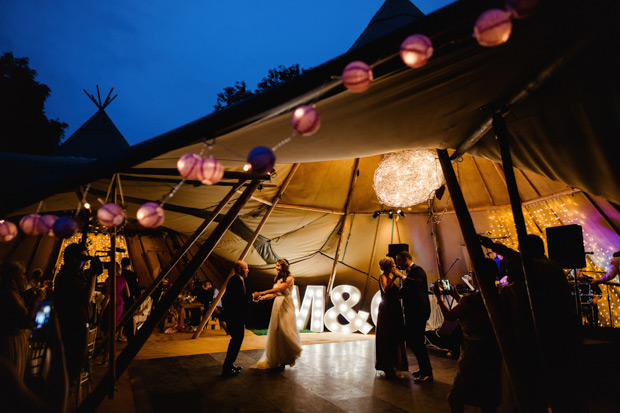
<point>449,314</point>
<point>278,287</point>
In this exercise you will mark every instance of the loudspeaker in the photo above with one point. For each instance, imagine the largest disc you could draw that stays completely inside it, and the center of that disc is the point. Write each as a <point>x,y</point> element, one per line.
<point>394,249</point>
<point>565,245</point>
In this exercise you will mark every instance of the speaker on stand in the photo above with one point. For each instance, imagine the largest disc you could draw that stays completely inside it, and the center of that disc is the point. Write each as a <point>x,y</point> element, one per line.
<point>565,246</point>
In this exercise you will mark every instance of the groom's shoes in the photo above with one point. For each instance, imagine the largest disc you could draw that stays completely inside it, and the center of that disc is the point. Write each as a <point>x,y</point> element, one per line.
<point>423,379</point>
<point>230,371</point>
<point>237,368</point>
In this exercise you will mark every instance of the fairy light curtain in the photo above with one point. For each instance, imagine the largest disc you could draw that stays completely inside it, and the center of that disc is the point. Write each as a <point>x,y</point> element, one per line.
<point>94,243</point>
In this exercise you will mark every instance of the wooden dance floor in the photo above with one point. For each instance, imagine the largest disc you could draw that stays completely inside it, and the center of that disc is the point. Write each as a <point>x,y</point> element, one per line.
<point>335,375</point>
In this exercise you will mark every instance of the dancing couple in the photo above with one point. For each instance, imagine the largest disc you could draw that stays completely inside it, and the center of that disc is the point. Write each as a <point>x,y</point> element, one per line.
<point>283,340</point>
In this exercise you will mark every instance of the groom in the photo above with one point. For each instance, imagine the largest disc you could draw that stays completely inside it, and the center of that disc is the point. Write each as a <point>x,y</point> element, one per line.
<point>236,309</point>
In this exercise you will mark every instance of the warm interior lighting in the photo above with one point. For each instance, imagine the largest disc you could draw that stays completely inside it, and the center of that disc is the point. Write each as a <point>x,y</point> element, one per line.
<point>407,178</point>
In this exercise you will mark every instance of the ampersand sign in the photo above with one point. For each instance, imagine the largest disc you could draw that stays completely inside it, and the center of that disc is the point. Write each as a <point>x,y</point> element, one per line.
<point>357,321</point>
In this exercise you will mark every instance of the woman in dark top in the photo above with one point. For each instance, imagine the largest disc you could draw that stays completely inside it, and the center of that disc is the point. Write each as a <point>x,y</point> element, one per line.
<point>15,317</point>
<point>391,355</point>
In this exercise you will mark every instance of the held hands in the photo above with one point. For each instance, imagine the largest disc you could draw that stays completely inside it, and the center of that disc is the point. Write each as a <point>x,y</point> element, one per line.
<point>255,296</point>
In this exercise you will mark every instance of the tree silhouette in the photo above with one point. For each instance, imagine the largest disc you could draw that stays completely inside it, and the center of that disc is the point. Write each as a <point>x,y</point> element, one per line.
<point>24,127</point>
<point>239,92</point>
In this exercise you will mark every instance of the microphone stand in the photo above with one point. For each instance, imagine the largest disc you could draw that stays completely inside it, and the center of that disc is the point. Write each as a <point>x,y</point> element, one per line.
<point>450,267</point>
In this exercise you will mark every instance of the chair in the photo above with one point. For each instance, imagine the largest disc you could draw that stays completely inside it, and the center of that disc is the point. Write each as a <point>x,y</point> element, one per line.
<point>85,378</point>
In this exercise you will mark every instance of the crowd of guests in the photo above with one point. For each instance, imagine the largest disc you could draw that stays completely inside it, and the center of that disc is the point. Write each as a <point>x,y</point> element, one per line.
<point>552,349</point>
<point>60,318</point>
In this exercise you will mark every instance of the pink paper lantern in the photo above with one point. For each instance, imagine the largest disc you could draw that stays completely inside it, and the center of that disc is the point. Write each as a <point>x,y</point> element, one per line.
<point>45,225</point>
<point>305,120</point>
<point>110,215</point>
<point>28,224</point>
<point>150,215</point>
<point>493,27</point>
<point>357,76</point>
<point>64,227</point>
<point>416,50</point>
<point>8,231</point>
<point>261,159</point>
<point>210,171</point>
<point>521,8</point>
<point>188,165</point>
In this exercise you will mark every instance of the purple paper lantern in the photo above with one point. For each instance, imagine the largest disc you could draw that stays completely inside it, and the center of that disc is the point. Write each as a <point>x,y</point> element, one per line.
<point>521,8</point>
<point>150,215</point>
<point>29,223</point>
<point>188,165</point>
<point>305,120</point>
<point>210,171</point>
<point>357,76</point>
<point>261,159</point>
<point>110,215</point>
<point>416,50</point>
<point>64,227</point>
<point>45,225</point>
<point>493,27</point>
<point>8,231</point>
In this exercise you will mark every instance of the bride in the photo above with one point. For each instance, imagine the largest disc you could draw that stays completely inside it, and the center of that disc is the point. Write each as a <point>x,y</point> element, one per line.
<point>283,341</point>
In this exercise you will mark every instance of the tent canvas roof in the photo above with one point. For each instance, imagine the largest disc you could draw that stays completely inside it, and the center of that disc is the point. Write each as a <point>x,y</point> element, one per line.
<point>557,65</point>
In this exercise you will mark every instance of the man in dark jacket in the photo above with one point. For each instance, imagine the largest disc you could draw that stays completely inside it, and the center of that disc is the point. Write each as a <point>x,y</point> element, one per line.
<point>417,309</point>
<point>236,310</point>
<point>73,291</point>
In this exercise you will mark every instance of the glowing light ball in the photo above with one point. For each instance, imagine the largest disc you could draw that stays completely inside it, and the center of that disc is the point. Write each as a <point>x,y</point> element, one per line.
<point>262,159</point>
<point>210,171</point>
<point>110,215</point>
<point>305,120</point>
<point>407,178</point>
<point>357,76</point>
<point>8,230</point>
<point>416,50</point>
<point>45,224</point>
<point>150,215</point>
<point>188,165</point>
<point>493,27</point>
<point>521,8</point>
<point>65,227</point>
<point>28,224</point>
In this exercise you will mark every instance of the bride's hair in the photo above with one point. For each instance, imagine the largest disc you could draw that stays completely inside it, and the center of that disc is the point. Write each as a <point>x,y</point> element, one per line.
<point>285,269</point>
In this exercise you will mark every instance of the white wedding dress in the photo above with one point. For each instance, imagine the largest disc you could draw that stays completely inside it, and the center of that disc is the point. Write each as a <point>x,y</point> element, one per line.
<point>283,340</point>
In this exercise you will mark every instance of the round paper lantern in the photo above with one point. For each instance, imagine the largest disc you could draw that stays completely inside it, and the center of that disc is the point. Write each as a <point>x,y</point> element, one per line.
<point>305,120</point>
<point>357,76</point>
<point>8,231</point>
<point>150,215</point>
<point>493,27</point>
<point>188,166</point>
<point>110,215</point>
<point>64,227</point>
<point>416,50</point>
<point>521,8</point>
<point>262,159</point>
<point>45,224</point>
<point>407,178</point>
<point>210,171</point>
<point>28,224</point>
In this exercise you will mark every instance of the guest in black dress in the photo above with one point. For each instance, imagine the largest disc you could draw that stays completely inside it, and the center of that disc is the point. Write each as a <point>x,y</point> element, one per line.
<point>391,355</point>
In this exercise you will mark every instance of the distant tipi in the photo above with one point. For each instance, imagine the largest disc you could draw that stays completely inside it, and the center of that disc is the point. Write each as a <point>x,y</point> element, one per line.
<point>97,137</point>
<point>393,15</point>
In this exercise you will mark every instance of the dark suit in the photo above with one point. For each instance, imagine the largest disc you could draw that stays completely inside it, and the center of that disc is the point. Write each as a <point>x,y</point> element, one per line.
<point>236,304</point>
<point>417,308</point>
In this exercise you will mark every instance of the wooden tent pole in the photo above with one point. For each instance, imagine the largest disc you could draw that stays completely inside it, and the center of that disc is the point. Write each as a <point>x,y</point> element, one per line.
<point>517,372</point>
<point>345,221</point>
<point>158,313</point>
<point>173,262</point>
<point>372,260</point>
<point>260,226</point>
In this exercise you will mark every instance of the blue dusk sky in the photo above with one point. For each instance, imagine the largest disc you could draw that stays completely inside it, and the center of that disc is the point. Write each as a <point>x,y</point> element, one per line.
<point>168,60</point>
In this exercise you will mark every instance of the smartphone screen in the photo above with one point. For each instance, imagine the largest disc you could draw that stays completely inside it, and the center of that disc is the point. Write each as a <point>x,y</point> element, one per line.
<point>41,318</point>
